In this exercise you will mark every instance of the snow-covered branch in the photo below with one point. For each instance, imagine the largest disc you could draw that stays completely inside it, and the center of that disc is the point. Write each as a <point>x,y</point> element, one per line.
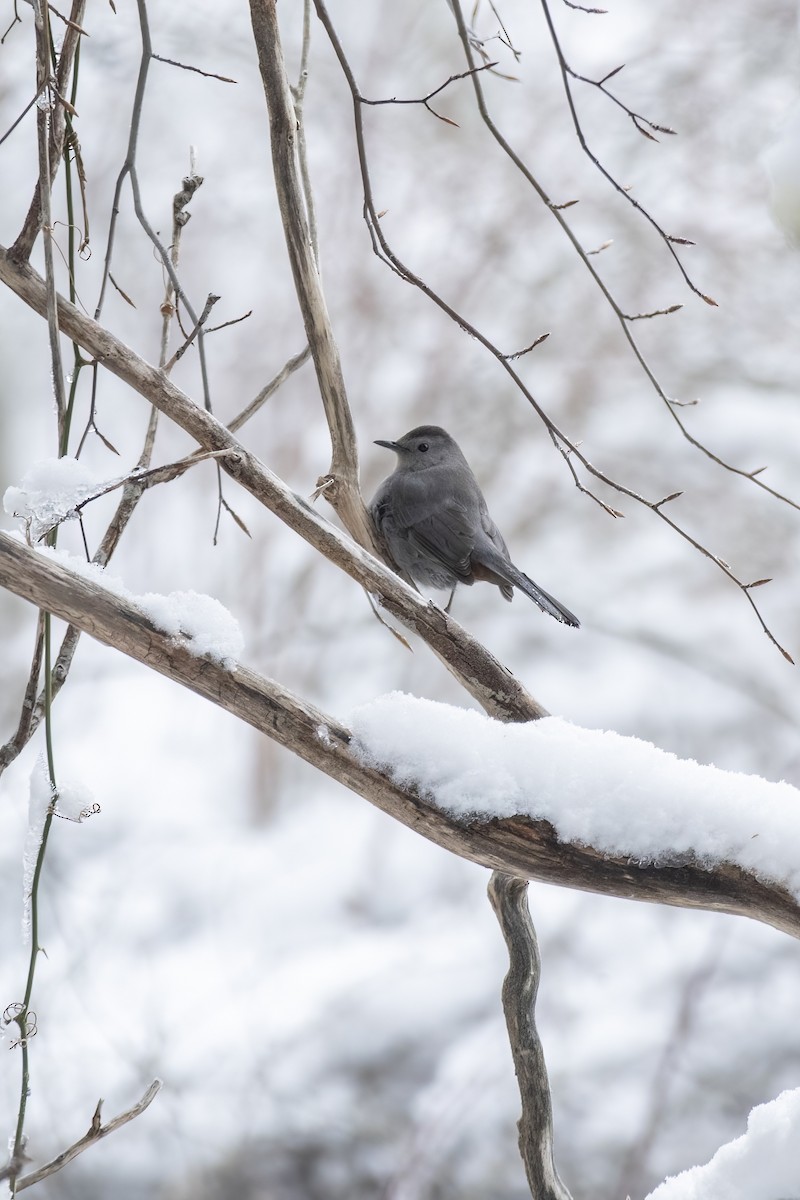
<point>520,844</point>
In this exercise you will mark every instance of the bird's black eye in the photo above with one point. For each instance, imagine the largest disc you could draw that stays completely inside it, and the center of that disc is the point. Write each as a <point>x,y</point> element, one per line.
<point>422,447</point>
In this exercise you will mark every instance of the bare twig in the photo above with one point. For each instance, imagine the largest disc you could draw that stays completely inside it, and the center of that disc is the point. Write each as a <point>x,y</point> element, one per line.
<point>68,21</point>
<point>425,100</point>
<point>211,300</point>
<point>584,8</point>
<point>129,171</point>
<point>95,1133</point>
<point>509,899</point>
<point>15,20</point>
<point>270,389</point>
<point>25,111</point>
<point>187,67</point>
<point>641,123</point>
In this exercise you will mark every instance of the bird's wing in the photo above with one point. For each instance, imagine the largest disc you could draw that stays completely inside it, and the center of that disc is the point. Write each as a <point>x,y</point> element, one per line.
<point>492,532</point>
<point>442,530</point>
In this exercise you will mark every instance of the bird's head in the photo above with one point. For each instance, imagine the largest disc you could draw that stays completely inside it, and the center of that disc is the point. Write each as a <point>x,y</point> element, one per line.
<point>426,446</point>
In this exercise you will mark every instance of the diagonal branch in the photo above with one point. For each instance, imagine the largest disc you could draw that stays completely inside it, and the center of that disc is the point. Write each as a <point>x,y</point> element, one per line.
<point>94,1134</point>
<point>516,845</point>
<point>490,683</point>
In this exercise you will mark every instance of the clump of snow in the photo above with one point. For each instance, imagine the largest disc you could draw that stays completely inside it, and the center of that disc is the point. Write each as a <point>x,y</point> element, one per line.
<point>74,801</point>
<point>762,1164</point>
<point>49,493</point>
<point>201,624</point>
<point>623,796</point>
<point>782,164</point>
<point>40,798</point>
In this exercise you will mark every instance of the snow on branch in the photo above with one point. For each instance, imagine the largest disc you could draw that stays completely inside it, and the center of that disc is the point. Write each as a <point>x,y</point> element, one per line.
<point>669,870</point>
<point>620,795</point>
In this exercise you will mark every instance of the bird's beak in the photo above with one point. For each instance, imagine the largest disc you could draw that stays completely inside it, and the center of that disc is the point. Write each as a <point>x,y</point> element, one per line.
<point>388,445</point>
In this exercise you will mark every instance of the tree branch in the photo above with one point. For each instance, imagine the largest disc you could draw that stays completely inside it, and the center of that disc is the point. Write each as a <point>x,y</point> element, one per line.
<point>343,493</point>
<point>516,845</point>
<point>509,899</point>
<point>95,1132</point>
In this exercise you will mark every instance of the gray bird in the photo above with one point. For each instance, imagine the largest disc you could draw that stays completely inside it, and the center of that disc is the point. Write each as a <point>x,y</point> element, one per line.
<point>434,520</point>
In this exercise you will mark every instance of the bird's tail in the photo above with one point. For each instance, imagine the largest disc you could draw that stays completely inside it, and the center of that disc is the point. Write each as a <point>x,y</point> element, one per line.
<point>546,602</point>
<point>489,563</point>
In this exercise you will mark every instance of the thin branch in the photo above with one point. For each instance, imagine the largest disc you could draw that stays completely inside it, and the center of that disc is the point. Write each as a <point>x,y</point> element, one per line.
<point>187,67</point>
<point>25,111</point>
<point>95,1133</point>
<point>516,845</point>
<point>344,495</point>
<point>270,389</point>
<point>623,319</point>
<point>141,480</point>
<point>129,171</point>
<point>22,247</point>
<point>638,120</point>
<point>425,100</point>
<point>298,93</point>
<point>583,8</point>
<point>68,21</point>
<point>568,449</point>
<point>211,300</point>
<point>509,899</point>
<point>46,171</point>
<point>15,20</point>
<point>14,745</point>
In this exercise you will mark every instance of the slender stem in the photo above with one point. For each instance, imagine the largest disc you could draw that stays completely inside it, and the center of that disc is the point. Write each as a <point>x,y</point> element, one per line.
<point>22,1016</point>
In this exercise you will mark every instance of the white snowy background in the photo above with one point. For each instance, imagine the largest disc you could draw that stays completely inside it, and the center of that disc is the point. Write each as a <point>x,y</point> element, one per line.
<point>317,987</point>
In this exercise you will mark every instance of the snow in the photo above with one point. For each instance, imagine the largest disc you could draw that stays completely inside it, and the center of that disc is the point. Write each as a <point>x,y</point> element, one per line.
<point>199,623</point>
<point>39,800</point>
<point>624,796</point>
<point>75,802</point>
<point>762,1164</point>
<point>49,493</point>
